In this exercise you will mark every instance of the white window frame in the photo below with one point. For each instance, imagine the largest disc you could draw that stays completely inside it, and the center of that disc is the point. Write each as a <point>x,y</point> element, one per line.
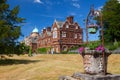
<point>76,27</point>
<point>63,34</point>
<point>67,26</point>
<point>80,36</point>
<point>55,33</point>
<point>75,36</point>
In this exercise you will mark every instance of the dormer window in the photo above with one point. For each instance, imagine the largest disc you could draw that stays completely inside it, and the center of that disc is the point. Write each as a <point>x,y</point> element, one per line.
<point>67,26</point>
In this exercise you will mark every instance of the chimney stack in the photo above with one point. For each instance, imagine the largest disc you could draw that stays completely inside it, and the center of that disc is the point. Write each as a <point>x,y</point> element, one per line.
<point>44,30</point>
<point>48,29</point>
<point>70,19</point>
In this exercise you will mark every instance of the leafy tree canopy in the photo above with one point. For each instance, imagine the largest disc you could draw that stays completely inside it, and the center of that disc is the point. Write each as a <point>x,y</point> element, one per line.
<point>10,27</point>
<point>111,20</point>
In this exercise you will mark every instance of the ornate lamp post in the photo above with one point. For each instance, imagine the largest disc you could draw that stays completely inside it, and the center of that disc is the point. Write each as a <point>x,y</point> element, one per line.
<point>96,13</point>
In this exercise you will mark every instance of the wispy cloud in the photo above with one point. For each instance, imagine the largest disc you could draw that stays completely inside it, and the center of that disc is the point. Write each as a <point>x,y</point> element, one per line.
<point>76,5</point>
<point>38,1</point>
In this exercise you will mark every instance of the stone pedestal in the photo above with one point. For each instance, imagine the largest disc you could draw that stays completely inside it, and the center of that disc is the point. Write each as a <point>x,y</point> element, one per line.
<point>80,76</point>
<point>94,63</point>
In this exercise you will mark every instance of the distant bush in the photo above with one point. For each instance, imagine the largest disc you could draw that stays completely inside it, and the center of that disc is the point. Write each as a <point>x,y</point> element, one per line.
<point>64,52</point>
<point>21,48</point>
<point>74,48</point>
<point>112,45</point>
<point>42,50</point>
<point>72,52</point>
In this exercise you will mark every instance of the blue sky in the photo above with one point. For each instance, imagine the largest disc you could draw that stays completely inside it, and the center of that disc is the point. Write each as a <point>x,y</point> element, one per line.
<point>42,13</point>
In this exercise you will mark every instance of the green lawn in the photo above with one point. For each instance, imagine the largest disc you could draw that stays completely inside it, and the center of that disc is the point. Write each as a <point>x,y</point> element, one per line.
<point>47,66</point>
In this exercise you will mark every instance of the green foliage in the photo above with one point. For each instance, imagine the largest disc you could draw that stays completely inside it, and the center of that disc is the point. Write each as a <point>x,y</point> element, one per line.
<point>72,53</point>
<point>112,45</point>
<point>21,48</point>
<point>74,48</point>
<point>30,51</point>
<point>116,44</point>
<point>10,28</point>
<point>111,20</point>
<point>42,50</point>
<point>93,45</point>
<point>64,52</point>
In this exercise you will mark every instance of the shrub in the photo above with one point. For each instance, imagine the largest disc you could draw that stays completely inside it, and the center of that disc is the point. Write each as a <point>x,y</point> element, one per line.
<point>112,45</point>
<point>93,45</point>
<point>64,52</point>
<point>42,50</point>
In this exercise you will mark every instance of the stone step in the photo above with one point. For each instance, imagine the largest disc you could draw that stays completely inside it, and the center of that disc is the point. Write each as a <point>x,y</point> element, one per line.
<point>81,76</point>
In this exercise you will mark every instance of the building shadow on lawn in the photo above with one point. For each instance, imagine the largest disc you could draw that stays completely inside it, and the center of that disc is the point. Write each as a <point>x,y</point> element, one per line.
<point>4,62</point>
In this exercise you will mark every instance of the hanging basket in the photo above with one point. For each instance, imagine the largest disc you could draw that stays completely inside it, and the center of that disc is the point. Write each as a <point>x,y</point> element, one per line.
<point>92,29</point>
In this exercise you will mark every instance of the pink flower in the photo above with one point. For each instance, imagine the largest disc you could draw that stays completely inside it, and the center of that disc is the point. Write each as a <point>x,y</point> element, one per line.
<point>100,48</point>
<point>81,49</point>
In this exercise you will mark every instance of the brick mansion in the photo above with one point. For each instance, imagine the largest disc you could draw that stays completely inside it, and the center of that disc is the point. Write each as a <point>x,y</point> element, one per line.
<point>61,36</point>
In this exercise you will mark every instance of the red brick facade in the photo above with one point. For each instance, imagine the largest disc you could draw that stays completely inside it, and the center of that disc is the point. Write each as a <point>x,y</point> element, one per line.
<point>61,36</point>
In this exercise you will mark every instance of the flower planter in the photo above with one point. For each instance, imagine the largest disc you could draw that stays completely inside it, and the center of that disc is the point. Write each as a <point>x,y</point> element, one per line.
<point>93,63</point>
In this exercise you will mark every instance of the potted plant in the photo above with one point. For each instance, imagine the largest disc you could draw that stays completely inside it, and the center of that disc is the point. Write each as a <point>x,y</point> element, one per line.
<point>93,58</point>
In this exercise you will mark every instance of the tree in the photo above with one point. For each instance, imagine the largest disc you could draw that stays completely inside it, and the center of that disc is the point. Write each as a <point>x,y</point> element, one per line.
<point>111,20</point>
<point>10,27</point>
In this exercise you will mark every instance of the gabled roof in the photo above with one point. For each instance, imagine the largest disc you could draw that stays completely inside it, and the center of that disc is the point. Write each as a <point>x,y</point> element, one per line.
<point>59,23</point>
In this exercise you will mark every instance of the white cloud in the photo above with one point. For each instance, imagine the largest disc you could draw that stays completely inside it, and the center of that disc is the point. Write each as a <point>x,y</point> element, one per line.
<point>38,1</point>
<point>76,5</point>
